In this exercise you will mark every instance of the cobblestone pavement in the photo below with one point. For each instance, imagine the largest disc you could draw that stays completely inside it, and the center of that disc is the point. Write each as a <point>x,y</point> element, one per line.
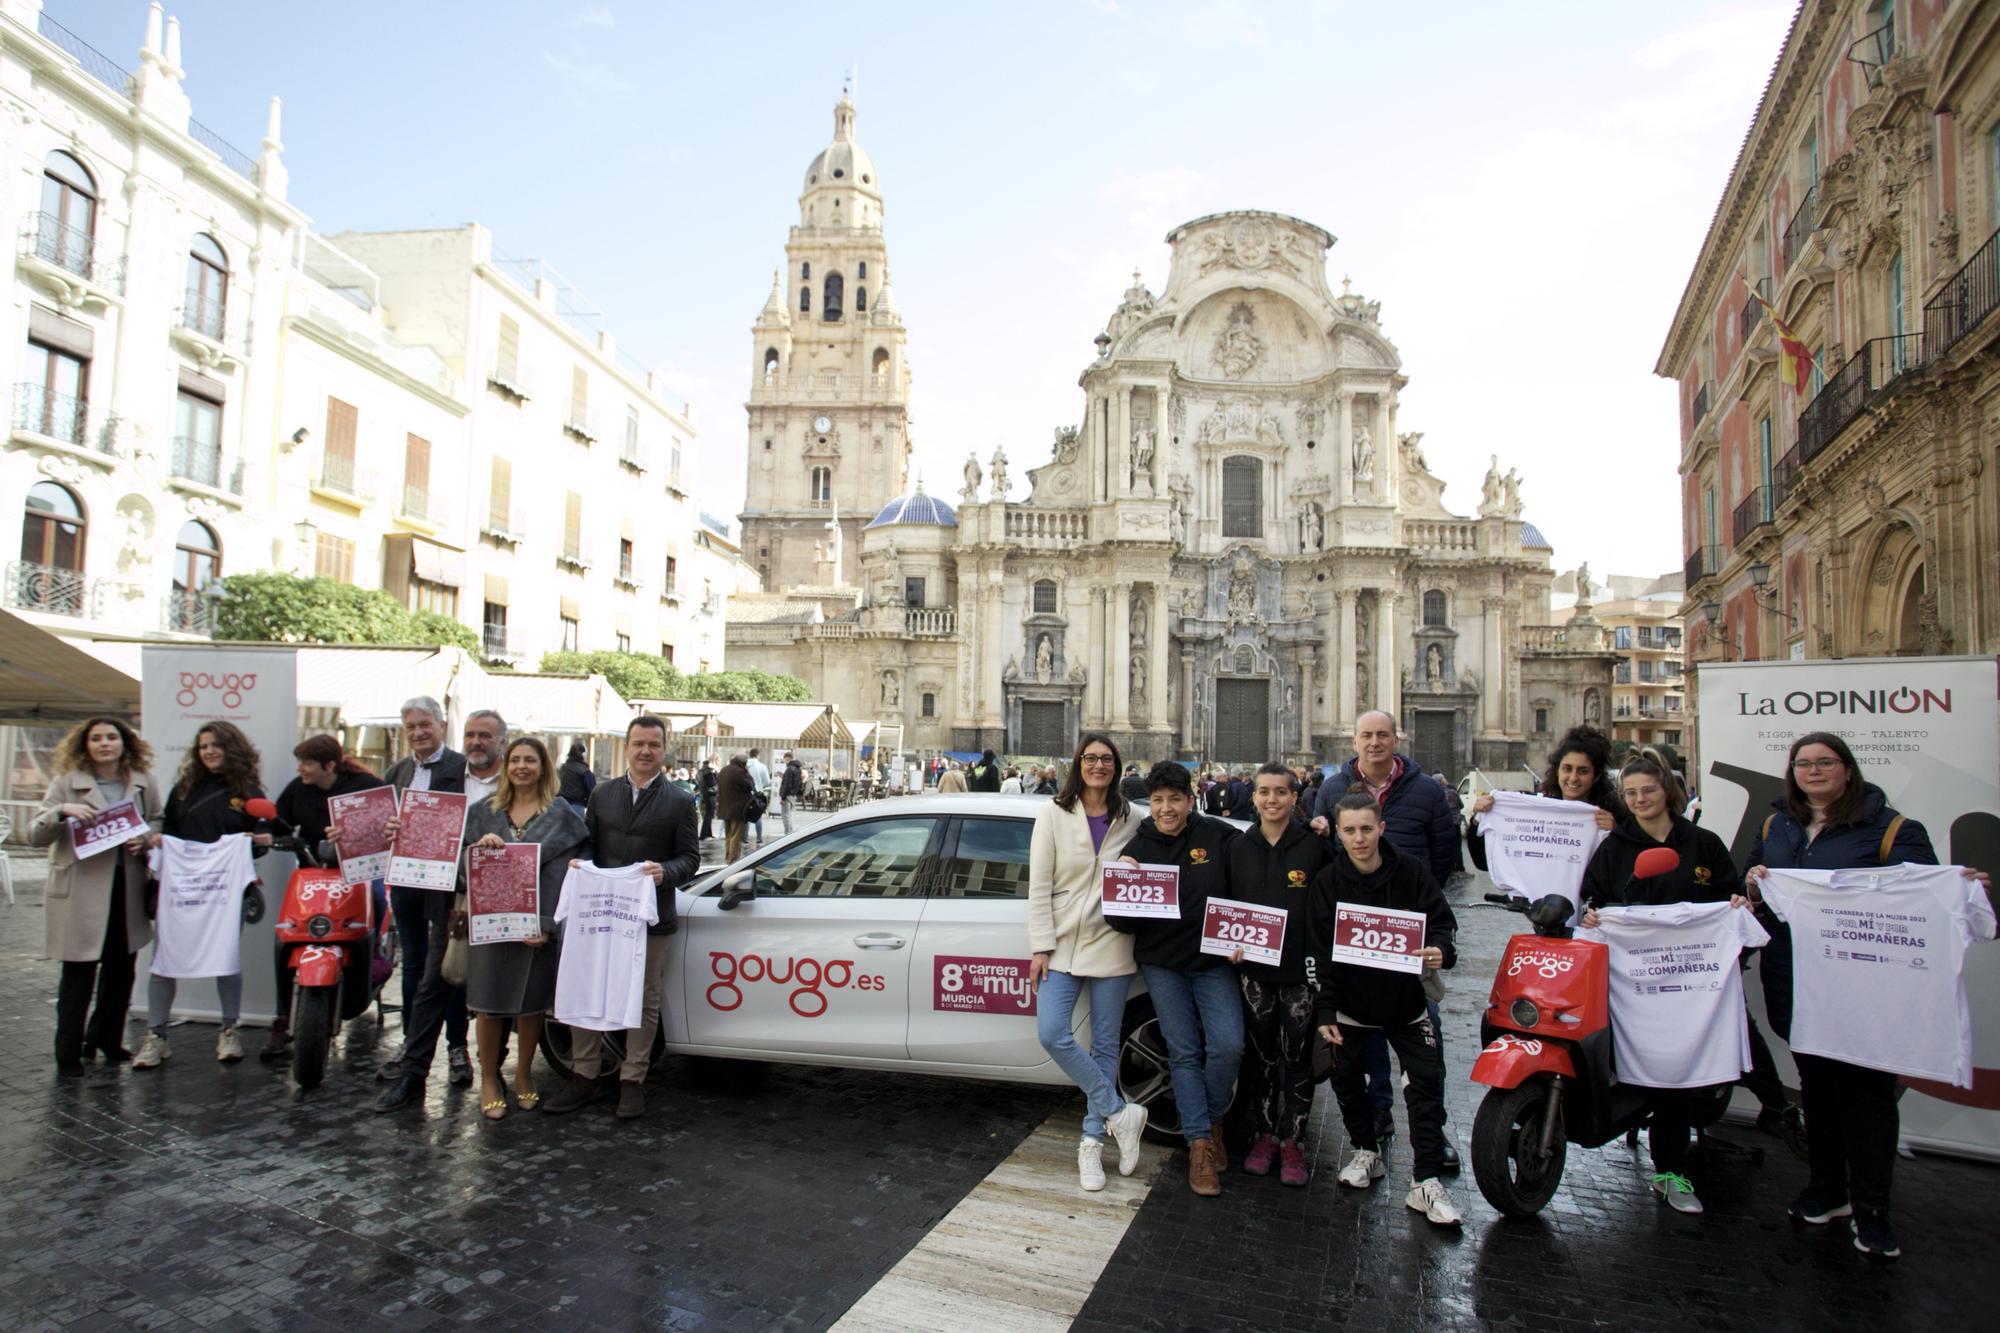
<point>1604,1253</point>
<point>202,1196</point>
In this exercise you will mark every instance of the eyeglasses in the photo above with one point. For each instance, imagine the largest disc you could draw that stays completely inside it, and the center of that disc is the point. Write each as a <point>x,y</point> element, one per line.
<point>1099,759</point>
<point>1810,765</point>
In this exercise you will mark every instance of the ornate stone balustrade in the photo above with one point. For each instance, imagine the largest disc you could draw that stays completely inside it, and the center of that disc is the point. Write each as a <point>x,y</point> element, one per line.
<point>1433,534</point>
<point>1047,527</point>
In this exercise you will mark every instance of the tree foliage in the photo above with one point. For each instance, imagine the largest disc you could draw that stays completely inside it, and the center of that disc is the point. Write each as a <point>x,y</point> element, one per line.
<point>646,676</point>
<point>284,608</point>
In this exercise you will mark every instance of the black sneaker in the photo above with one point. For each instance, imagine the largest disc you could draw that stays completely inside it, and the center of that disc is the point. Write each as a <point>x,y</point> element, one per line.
<point>1814,1210</point>
<point>1873,1238</point>
<point>1788,1126</point>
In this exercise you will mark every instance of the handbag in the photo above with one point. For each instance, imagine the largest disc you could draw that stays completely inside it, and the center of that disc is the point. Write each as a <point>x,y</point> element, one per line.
<point>754,808</point>
<point>458,948</point>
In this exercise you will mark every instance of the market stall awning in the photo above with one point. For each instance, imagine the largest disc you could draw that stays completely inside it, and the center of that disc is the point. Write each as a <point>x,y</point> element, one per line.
<point>537,704</point>
<point>368,684</point>
<point>46,678</point>
<point>806,724</point>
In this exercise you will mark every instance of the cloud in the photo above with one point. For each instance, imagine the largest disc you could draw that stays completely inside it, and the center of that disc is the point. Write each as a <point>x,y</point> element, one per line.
<point>594,16</point>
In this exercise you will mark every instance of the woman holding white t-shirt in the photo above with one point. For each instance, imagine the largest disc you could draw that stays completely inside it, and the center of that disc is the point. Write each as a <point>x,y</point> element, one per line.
<point>1653,818</point>
<point>1830,819</point>
<point>1579,770</point>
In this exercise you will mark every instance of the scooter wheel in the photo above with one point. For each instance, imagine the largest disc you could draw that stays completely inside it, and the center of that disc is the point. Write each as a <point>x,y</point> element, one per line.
<point>1506,1149</point>
<point>312,1034</point>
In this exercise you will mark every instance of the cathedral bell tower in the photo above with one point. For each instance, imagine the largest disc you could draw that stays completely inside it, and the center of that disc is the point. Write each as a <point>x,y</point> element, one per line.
<point>829,380</point>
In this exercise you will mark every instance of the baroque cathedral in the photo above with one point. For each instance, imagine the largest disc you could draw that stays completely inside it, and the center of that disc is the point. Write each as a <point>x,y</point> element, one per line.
<point>1232,555</point>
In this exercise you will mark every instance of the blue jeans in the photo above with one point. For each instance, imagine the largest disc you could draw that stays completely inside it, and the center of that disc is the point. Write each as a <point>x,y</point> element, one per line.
<point>1381,1089</point>
<point>1095,1070</point>
<point>1202,1086</point>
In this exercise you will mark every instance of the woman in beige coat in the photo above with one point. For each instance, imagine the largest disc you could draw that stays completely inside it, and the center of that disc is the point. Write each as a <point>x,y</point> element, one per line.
<point>1087,824</point>
<point>96,908</point>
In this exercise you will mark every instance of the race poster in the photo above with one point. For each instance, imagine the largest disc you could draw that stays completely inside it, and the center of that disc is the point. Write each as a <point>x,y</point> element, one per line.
<point>360,820</point>
<point>503,893</point>
<point>1259,932</point>
<point>1142,891</point>
<point>1379,937</point>
<point>429,830</point>
<point>113,826</point>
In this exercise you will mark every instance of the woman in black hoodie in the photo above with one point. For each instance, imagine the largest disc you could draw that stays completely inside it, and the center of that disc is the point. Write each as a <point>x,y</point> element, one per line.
<point>1273,865</point>
<point>1195,995</point>
<point>1356,999</point>
<point>1653,803</point>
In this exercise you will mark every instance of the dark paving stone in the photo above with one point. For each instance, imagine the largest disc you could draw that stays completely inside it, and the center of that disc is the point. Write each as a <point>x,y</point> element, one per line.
<point>1603,1255</point>
<point>203,1196</point>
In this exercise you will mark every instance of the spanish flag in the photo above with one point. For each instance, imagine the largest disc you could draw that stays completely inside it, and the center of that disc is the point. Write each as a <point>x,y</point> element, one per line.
<point>1795,358</point>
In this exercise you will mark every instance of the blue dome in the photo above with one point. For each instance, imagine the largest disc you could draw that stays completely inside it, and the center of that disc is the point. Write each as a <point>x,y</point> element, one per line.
<point>916,509</point>
<point>1532,536</point>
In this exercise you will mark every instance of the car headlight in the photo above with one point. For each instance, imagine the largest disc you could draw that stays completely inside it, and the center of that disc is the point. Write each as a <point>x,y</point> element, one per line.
<point>1524,1013</point>
<point>319,927</point>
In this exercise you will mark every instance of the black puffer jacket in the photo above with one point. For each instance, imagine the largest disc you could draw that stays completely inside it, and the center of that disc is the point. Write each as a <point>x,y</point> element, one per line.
<point>1282,875</point>
<point>1201,850</point>
<point>209,813</point>
<point>1373,996</point>
<point>1706,874</point>
<point>1415,814</point>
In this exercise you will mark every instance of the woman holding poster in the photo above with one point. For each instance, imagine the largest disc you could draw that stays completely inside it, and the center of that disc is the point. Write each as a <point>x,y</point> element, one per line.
<point>516,978</point>
<point>218,777</point>
<point>96,900</point>
<point>1087,824</point>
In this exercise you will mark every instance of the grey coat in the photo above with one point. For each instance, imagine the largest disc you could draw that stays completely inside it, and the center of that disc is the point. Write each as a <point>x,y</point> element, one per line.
<point>507,980</point>
<point>79,892</point>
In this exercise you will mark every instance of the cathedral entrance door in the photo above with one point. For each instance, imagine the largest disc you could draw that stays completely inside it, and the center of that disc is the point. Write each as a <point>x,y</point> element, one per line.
<point>1243,721</point>
<point>1434,748</point>
<point>1042,730</point>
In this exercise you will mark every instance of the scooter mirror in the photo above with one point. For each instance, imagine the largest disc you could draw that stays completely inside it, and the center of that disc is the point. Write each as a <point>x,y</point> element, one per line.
<point>1551,911</point>
<point>259,808</point>
<point>1656,861</point>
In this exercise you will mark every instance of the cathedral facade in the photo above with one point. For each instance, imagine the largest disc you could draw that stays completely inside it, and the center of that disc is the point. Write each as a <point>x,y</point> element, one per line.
<point>1233,554</point>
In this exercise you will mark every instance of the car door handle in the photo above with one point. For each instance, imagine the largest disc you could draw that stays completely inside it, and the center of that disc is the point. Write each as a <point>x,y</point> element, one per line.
<point>880,940</point>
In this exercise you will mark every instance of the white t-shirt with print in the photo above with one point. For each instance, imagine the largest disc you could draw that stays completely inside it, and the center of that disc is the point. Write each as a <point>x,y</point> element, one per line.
<point>1537,846</point>
<point>1677,1016</point>
<point>1878,964</point>
<point>198,927</point>
<point>601,977</point>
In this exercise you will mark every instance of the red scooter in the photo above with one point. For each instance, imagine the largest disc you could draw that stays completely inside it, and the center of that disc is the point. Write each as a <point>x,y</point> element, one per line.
<point>1548,1055</point>
<point>326,929</point>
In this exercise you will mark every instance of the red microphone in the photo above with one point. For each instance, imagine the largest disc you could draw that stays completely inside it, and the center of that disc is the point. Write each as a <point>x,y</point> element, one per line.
<point>1655,862</point>
<point>257,807</point>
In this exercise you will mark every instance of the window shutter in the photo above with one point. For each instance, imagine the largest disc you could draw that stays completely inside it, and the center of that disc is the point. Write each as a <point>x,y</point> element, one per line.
<point>579,394</point>
<point>496,589</point>
<point>569,609</point>
<point>507,365</point>
<point>341,420</point>
<point>500,497</point>
<point>572,522</point>
<point>417,462</point>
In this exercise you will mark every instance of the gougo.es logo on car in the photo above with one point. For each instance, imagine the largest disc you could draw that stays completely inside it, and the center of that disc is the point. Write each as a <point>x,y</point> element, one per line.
<point>809,978</point>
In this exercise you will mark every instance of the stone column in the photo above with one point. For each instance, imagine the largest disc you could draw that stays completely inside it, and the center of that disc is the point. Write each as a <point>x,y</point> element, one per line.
<point>1493,627</point>
<point>992,712</point>
<point>1385,449</point>
<point>1343,446</point>
<point>1342,681</point>
<point>1118,676</point>
<point>1094,697</point>
<point>1121,443</point>
<point>1388,671</point>
<point>1304,712</point>
<point>1156,668</point>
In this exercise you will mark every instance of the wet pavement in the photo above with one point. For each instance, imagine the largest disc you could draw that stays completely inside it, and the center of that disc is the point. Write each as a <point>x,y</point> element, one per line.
<point>756,1197</point>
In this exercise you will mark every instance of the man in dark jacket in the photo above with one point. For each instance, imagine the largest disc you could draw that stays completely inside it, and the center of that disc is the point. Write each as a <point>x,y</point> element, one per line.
<point>641,819</point>
<point>1241,794</point>
<point>706,784</point>
<point>1133,787</point>
<point>576,778</point>
<point>985,775</point>
<point>733,788</point>
<point>1194,994</point>
<point>791,790</point>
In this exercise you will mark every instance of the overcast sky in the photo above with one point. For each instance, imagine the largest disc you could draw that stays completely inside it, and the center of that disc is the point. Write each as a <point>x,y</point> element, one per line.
<point>1524,187</point>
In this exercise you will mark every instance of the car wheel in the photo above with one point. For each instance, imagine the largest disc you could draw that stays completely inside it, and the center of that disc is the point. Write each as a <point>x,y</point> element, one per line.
<point>556,1047</point>
<point>1145,1072</point>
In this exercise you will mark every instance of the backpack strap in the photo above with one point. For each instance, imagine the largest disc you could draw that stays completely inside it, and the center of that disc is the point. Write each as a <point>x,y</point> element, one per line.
<point>1766,834</point>
<point>1888,840</point>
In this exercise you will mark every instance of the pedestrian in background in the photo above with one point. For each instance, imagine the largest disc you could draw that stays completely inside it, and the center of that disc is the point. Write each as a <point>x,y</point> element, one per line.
<point>985,775</point>
<point>1132,787</point>
<point>517,979</point>
<point>96,920</point>
<point>218,778</point>
<point>733,789</point>
<point>1010,785</point>
<point>951,782</point>
<point>1075,951</point>
<point>792,789</point>
<point>577,779</point>
<point>760,782</point>
<point>706,782</point>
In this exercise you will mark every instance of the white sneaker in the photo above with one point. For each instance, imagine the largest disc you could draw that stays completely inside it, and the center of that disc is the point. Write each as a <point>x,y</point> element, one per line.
<point>1363,1169</point>
<point>1430,1198</point>
<point>227,1047</point>
<point>1128,1128</point>
<point>393,1066</point>
<point>1677,1192</point>
<point>1090,1164</point>
<point>152,1051</point>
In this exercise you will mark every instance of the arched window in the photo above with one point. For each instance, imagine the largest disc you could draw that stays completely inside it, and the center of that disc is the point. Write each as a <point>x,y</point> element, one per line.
<point>770,365</point>
<point>50,575</point>
<point>929,705</point>
<point>805,273</point>
<point>1045,597</point>
<point>805,300</point>
<point>1435,608</point>
<point>207,287</point>
<point>68,224</point>
<point>1242,497</point>
<point>861,274</point>
<point>860,299</point>
<point>197,564</point>
<point>881,366</point>
<point>822,487</point>
<point>830,299</point>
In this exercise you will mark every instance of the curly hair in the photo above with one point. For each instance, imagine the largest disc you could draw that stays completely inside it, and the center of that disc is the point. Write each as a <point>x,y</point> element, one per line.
<point>73,750</point>
<point>239,761</point>
<point>1595,746</point>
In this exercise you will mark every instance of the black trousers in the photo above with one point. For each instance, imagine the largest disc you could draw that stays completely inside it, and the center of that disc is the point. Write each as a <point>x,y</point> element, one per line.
<point>434,995</point>
<point>110,977</point>
<point>1277,1033</point>
<point>707,817</point>
<point>1667,1135</point>
<point>1422,1057</point>
<point>1851,1125</point>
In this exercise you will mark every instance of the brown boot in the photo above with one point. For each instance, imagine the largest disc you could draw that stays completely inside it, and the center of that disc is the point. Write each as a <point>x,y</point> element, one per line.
<point>580,1093</point>
<point>1217,1151</point>
<point>1201,1169</point>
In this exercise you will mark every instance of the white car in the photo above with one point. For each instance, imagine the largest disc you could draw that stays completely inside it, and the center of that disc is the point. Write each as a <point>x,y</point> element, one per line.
<point>891,936</point>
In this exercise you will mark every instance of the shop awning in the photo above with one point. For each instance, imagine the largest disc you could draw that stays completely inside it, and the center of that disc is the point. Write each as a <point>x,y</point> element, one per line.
<point>46,678</point>
<point>369,684</point>
<point>437,564</point>
<point>552,705</point>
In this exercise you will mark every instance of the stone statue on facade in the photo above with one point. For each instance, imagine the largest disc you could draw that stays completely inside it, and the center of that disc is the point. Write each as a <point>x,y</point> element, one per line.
<point>1364,454</point>
<point>1583,584</point>
<point>970,491</point>
<point>1138,623</point>
<point>1045,659</point>
<point>1242,592</point>
<point>1066,445</point>
<point>1363,698</point>
<point>1077,675</point>
<point>1434,667</point>
<point>1489,489</point>
<point>1177,522</point>
<point>1413,454</point>
<point>1593,710</point>
<point>1510,486</point>
<point>1139,680</point>
<point>1142,460</point>
<point>1012,671</point>
<point>999,475</point>
<point>892,690</point>
<point>1312,528</point>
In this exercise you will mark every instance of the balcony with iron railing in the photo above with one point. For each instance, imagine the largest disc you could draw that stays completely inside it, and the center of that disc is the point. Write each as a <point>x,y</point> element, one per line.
<point>1754,511</point>
<point>67,253</point>
<point>1784,475</point>
<point>1879,364</point>
<point>1702,398</point>
<point>1703,564</point>
<point>191,611</point>
<point>1805,221</point>
<point>425,507</point>
<point>205,315</point>
<point>56,416</point>
<point>1753,311</point>
<point>1966,299</point>
<point>340,477</point>
<point>201,462</point>
<point>50,589</point>
<point>493,642</point>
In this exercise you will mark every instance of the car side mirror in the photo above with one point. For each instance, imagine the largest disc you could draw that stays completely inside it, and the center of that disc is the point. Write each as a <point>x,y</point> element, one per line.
<point>738,889</point>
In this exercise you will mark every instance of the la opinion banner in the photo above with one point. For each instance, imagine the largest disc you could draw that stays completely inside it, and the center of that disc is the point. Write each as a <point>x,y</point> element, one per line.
<point>182,686</point>
<point>1926,730</point>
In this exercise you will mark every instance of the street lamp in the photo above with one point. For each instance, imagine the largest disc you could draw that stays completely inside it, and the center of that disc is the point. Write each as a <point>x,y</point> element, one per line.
<point>1767,596</point>
<point>1711,611</point>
